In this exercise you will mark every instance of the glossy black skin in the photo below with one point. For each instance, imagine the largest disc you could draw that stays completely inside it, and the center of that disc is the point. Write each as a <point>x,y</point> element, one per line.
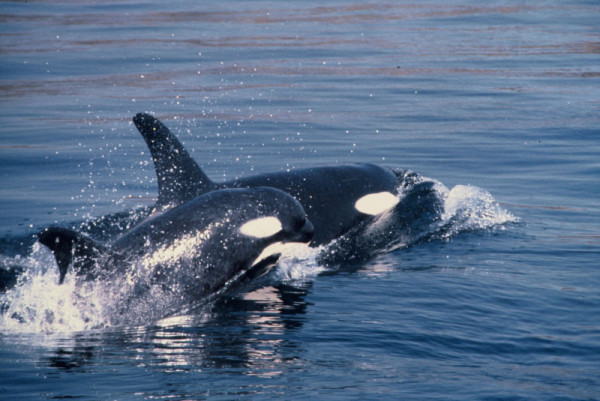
<point>227,252</point>
<point>328,194</point>
<point>216,250</point>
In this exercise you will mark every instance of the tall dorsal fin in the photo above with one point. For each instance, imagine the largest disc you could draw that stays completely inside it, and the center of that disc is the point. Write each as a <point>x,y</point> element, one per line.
<point>179,177</point>
<point>71,248</point>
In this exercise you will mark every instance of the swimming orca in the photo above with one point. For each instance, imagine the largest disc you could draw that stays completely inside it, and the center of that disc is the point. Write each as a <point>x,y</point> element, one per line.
<point>335,198</point>
<point>196,249</point>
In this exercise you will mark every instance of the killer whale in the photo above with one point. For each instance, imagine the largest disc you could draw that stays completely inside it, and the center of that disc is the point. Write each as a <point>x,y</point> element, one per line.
<point>336,198</point>
<point>196,250</point>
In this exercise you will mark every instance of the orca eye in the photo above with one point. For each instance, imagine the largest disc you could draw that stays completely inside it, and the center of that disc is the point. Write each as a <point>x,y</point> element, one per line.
<point>261,227</point>
<point>376,203</point>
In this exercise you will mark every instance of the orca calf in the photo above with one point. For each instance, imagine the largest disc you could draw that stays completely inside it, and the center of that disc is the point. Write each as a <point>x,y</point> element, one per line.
<point>197,249</point>
<point>336,198</point>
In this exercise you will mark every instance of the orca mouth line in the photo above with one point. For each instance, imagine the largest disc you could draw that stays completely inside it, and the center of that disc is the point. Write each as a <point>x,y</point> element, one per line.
<point>261,267</point>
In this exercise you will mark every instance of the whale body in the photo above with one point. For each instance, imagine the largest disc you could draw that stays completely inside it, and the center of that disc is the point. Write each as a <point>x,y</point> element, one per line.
<point>337,199</point>
<point>197,249</point>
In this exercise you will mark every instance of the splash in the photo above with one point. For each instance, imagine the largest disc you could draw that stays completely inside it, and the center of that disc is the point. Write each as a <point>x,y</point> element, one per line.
<point>39,304</point>
<point>298,263</point>
<point>465,207</point>
<point>469,208</point>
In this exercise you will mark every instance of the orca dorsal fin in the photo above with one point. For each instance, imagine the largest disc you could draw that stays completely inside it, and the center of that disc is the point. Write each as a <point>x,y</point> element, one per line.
<point>179,177</point>
<point>71,248</point>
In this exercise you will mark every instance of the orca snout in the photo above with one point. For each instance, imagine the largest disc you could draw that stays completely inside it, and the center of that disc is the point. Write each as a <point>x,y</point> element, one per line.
<point>305,233</point>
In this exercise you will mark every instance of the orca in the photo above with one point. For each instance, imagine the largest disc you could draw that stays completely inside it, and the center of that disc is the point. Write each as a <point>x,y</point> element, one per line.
<point>336,198</point>
<point>197,249</point>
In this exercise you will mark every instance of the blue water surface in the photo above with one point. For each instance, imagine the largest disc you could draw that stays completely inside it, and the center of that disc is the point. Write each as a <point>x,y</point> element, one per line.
<point>497,98</point>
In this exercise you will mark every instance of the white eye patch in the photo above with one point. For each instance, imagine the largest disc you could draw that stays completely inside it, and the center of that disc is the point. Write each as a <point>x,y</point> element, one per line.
<point>261,227</point>
<point>376,203</point>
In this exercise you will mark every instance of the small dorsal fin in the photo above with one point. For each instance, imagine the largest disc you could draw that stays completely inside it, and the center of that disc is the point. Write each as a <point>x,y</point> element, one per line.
<point>179,177</point>
<point>71,248</point>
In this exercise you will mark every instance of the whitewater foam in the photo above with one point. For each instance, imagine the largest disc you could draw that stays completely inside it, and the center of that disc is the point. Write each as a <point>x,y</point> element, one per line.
<point>470,208</point>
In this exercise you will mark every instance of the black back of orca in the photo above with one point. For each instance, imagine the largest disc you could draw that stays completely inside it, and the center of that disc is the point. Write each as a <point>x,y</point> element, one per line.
<point>328,194</point>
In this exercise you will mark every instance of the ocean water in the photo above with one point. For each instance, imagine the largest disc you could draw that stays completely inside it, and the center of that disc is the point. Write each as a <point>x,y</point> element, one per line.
<point>497,101</point>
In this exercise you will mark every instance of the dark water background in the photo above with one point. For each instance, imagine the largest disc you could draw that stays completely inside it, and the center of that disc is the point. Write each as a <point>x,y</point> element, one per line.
<point>501,95</point>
